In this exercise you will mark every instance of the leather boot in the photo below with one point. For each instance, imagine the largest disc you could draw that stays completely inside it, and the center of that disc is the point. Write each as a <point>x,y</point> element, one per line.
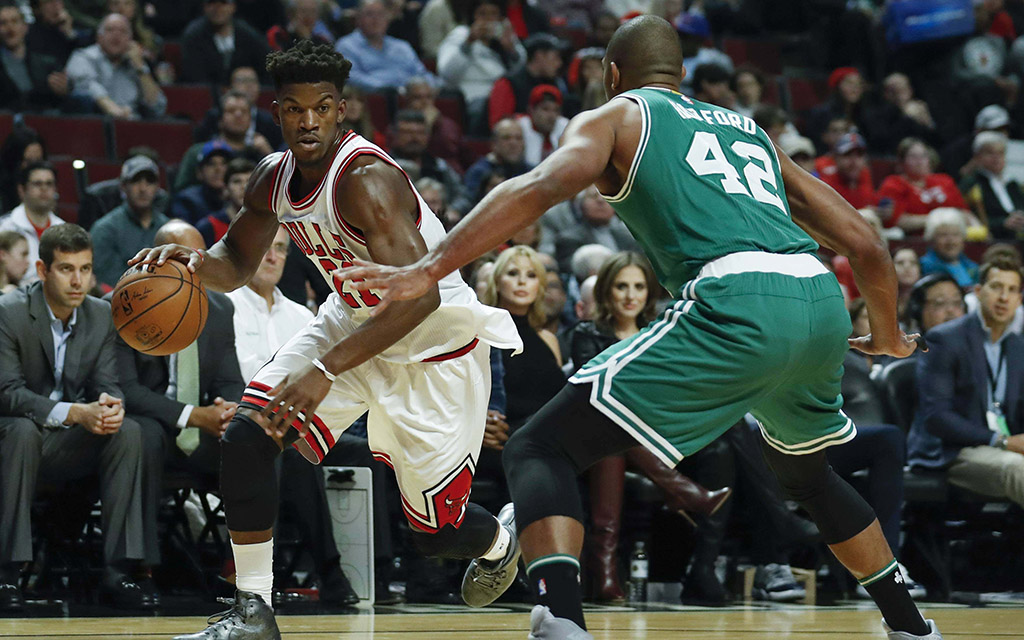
<point>606,480</point>
<point>702,586</point>
<point>682,494</point>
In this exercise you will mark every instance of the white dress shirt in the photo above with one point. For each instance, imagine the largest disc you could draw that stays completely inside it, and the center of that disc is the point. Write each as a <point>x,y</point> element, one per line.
<point>261,330</point>
<point>60,333</point>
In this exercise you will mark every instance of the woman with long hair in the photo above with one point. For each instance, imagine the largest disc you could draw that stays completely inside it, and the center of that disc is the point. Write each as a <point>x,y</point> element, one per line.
<point>534,376</point>
<point>624,302</point>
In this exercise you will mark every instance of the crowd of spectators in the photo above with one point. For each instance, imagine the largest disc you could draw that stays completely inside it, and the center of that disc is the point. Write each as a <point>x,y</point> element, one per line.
<point>922,139</point>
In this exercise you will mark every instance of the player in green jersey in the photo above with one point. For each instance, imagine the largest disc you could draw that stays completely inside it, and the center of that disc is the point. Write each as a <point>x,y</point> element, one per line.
<point>731,225</point>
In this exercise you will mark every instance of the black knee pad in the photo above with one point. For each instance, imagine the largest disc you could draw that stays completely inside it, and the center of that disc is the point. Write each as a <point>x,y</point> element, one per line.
<point>248,481</point>
<point>838,510</point>
<point>471,540</point>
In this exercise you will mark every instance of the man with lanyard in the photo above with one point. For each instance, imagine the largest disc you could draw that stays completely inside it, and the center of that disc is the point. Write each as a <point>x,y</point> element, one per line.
<point>970,414</point>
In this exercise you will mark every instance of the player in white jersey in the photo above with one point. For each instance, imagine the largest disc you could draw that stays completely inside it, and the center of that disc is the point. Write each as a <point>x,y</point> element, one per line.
<point>420,368</point>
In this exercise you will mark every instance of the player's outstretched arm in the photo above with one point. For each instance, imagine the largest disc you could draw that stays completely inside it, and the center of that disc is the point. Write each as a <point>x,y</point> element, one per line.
<point>833,223</point>
<point>232,261</point>
<point>583,157</point>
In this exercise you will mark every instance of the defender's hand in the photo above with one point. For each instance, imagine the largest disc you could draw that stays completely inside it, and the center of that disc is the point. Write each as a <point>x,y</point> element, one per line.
<point>901,349</point>
<point>289,401</point>
<point>391,283</point>
<point>158,255</point>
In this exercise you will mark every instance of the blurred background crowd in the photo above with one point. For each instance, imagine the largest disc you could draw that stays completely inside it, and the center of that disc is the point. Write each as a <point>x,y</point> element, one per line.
<point>133,122</point>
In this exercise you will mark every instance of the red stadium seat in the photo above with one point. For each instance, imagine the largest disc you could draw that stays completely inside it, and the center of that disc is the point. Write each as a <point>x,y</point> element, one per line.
<point>189,100</point>
<point>770,92</point>
<point>805,93</point>
<point>100,171</point>
<point>172,54</point>
<point>170,138</point>
<point>766,55</point>
<point>451,107</point>
<point>473,149</point>
<point>881,168</point>
<point>265,99</point>
<point>379,106</point>
<point>68,212</point>
<point>67,190</point>
<point>76,136</point>
<point>6,125</point>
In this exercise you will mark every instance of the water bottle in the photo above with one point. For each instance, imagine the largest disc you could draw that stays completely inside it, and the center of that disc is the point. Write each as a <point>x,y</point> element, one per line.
<point>638,573</point>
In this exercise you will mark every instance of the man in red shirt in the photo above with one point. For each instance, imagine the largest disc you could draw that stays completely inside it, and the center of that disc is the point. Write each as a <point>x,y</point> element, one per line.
<point>851,168</point>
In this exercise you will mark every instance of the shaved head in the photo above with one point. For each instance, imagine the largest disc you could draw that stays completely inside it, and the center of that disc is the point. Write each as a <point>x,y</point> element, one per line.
<point>644,50</point>
<point>180,232</point>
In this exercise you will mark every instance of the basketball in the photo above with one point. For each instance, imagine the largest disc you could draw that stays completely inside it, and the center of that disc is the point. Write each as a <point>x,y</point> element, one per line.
<point>159,309</point>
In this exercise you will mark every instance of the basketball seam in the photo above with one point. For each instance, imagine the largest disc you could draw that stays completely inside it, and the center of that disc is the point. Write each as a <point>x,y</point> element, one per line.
<point>135,317</point>
<point>181,318</point>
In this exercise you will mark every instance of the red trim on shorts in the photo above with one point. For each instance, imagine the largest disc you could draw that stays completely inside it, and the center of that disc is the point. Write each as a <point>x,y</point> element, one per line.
<point>454,354</point>
<point>315,423</point>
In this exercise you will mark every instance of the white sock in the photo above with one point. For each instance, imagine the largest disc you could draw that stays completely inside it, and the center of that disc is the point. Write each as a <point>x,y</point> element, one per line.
<point>254,568</point>
<point>500,546</point>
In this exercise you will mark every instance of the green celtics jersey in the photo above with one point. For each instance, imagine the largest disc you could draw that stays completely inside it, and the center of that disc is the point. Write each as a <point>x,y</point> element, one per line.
<point>705,182</point>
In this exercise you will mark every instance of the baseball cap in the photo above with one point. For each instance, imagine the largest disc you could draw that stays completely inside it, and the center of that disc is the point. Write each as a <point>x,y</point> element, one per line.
<point>543,42</point>
<point>794,145</point>
<point>993,116</point>
<point>693,24</point>
<point>850,142</point>
<point>542,91</point>
<point>136,165</point>
<point>214,148</point>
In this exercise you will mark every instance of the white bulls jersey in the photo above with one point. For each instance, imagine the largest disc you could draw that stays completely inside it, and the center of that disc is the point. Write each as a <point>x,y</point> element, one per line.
<point>324,236</point>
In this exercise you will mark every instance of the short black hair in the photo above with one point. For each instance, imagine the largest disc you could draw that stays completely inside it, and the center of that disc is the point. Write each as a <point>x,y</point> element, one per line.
<point>26,173</point>
<point>66,238</point>
<point>308,63</point>
<point>238,165</point>
<point>709,73</point>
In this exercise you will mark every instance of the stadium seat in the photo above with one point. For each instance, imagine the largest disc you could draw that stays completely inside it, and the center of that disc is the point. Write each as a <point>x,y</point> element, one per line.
<point>67,189</point>
<point>453,107</point>
<point>804,93</point>
<point>380,106</point>
<point>189,100</point>
<point>473,149</point>
<point>170,138</point>
<point>770,94</point>
<point>6,125</point>
<point>68,212</point>
<point>881,168</point>
<point>82,137</point>
<point>172,54</point>
<point>766,55</point>
<point>97,171</point>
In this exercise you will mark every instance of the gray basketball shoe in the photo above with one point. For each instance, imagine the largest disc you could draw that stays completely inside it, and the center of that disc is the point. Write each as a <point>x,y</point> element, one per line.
<point>485,580</point>
<point>544,626</point>
<point>249,618</point>
<point>903,635</point>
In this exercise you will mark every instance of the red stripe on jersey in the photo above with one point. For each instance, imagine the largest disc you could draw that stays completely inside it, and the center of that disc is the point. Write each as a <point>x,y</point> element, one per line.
<point>454,354</point>
<point>352,231</point>
<point>274,190</point>
<point>311,197</point>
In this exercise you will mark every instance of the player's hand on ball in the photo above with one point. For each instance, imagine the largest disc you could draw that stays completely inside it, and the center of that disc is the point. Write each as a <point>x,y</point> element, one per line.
<point>903,347</point>
<point>289,400</point>
<point>158,255</point>
<point>390,283</point>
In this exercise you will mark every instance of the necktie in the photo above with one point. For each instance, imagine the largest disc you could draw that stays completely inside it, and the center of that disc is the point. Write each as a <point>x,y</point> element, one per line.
<point>188,393</point>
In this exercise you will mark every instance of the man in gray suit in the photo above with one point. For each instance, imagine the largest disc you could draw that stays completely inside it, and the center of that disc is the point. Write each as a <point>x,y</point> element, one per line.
<point>586,219</point>
<point>61,415</point>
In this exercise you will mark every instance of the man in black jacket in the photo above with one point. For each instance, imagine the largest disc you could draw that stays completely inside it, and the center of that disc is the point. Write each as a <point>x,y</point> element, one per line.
<point>971,413</point>
<point>29,79</point>
<point>184,401</point>
<point>216,43</point>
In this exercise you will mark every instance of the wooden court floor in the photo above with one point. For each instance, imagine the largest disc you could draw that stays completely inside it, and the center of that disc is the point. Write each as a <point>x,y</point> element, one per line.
<point>794,623</point>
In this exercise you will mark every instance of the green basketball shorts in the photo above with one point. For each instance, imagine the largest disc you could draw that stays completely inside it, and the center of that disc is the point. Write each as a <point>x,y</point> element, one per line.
<point>754,333</point>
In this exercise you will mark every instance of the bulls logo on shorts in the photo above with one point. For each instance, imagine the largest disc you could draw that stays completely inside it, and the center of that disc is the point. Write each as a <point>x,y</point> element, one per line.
<point>444,503</point>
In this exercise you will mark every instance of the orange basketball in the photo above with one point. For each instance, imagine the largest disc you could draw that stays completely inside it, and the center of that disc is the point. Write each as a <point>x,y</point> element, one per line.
<point>159,310</point>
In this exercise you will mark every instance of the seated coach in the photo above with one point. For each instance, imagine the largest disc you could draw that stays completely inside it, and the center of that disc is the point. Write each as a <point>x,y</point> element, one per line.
<point>61,415</point>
